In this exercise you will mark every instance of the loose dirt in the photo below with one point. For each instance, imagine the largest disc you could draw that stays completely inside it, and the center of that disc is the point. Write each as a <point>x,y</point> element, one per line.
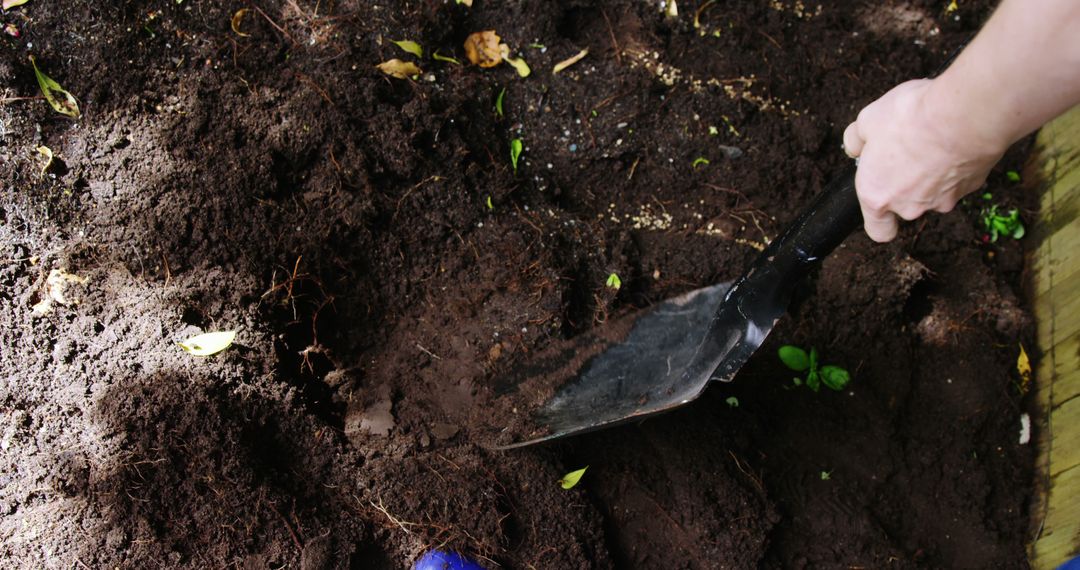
<point>245,166</point>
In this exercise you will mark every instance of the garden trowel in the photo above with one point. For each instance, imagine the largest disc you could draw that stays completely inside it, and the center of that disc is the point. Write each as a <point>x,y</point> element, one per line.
<point>665,356</point>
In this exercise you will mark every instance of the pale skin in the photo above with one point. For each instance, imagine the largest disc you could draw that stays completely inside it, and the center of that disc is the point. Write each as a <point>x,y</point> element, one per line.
<point>927,143</point>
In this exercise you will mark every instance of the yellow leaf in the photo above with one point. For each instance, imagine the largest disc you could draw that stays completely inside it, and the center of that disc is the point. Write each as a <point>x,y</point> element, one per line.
<point>482,48</point>
<point>209,343</point>
<point>399,69</point>
<point>465,2</point>
<point>49,88</point>
<point>570,479</point>
<point>952,7</point>
<point>8,4</point>
<point>520,65</point>
<point>236,19</point>
<point>1023,366</point>
<point>410,46</point>
<point>48,154</point>
<point>570,61</point>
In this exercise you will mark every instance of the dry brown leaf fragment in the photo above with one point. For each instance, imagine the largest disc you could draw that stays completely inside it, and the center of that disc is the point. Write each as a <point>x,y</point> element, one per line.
<point>238,17</point>
<point>57,291</point>
<point>8,4</point>
<point>570,61</point>
<point>399,69</point>
<point>483,49</point>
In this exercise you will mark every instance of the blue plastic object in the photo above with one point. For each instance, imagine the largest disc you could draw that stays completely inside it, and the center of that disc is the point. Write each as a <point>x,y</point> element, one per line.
<point>439,560</point>
<point>1073,564</point>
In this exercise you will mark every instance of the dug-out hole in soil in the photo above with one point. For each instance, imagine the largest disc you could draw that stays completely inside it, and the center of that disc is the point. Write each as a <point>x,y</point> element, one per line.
<point>246,167</point>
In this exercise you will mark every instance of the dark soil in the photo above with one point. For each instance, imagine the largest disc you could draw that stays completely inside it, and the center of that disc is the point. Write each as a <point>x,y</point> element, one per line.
<point>278,184</point>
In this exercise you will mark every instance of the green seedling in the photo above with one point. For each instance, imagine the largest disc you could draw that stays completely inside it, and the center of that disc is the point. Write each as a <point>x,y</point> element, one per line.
<point>998,224</point>
<point>826,475</point>
<point>570,479</point>
<point>499,102</point>
<point>1013,176</point>
<point>613,281</point>
<point>488,202</point>
<point>699,161</point>
<point>732,401</point>
<point>60,100</point>
<point>515,152</point>
<point>410,47</point>
<point>799,360</point>
<point>440,57</point>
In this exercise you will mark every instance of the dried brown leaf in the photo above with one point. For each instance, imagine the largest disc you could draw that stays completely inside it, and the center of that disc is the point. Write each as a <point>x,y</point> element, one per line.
<point>482,48</point>
<point>399,69</point>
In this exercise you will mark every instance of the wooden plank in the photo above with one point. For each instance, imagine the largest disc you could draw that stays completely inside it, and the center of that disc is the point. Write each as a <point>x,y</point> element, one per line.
<point>1055,266</point>
<point>1060,527</point>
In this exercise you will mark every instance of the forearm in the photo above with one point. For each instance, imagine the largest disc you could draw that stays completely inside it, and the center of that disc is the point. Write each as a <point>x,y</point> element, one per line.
<point>1021,70</point>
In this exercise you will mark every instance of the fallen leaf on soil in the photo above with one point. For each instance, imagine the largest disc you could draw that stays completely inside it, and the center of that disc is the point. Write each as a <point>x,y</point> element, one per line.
<point>570,61</point>
<point>1023,366</point>
<point>439,57</point>
<point>50,89</point>
<point>409,46</point>
<point>56,291</point>
<point>236,19</point>
<point>464,2</point>
<point>48,154</point>
<point>482,48</point>
<point>518,63</point>
<point>399,69</point>
<point>570,479</point>
<point>209,343</point>
<point>13,3</point>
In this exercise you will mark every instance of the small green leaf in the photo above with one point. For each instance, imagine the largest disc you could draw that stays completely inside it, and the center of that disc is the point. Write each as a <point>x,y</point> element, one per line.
<point>1018,232</point>
<point>488,202</point>
<point>794,357</point>
<point>732,401</point>
<point>66,104</point>
<point>826,475</point>
<point>835,377</point>
<point>537,46</point>
<point>209,343</point>
<point>499,102</point>
<point>796,381</point>
<point>570,479</point>
<point>700,161</point>
<point>515,152</point>
<point>713,131</point>
<point>439,57</point>
<point>813,380</point>
<point>1013,176</point>
<point>614,282</point>
<point>409,46</point>
<point>987,196</point>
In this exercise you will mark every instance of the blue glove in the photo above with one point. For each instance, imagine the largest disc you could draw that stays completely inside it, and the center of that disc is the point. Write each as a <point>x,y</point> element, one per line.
<point>439,560</point>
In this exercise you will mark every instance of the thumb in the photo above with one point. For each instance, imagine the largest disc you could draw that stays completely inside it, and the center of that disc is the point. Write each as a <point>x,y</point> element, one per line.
<point>853,140</point>
<point>881,226</point>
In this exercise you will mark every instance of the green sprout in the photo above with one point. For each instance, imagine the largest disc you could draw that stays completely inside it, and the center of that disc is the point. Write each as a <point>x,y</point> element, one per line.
<point>60,100</point>
<point>440,57</point>
<point>570,479</point>
<point>614,282</point>
<point>826,475</point>
<point>701,160</point>
<point>488,202</point>
<point>799,360</point>
<point>499,102</point>
<point>998,224</point>
<point>409,46</point>
<point>1013,176</point>
<point>732,401</point>
<point>515,152</point>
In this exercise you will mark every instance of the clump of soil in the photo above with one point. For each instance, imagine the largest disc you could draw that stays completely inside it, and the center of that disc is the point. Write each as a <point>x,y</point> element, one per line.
<point>248,168</point>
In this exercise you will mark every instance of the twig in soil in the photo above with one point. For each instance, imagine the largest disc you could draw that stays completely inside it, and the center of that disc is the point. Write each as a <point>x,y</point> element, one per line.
<point>747,472</point>
<point>403,525</point>
<point>7,100</point>
<point>397,208</point>
<point>614,42</point>
<point>322,93</point>
<point>428,352</point>
<point>292,533</point>
<point>633,167</point>
<point>168,273</point>
<point>274,24</point>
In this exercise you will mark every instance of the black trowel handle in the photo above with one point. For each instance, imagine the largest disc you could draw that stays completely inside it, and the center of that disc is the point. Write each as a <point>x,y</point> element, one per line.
<point>819,229</point>
<point>829,219</point>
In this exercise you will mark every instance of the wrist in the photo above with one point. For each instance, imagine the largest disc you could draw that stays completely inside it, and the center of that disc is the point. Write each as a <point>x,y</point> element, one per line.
<point>966,118</point>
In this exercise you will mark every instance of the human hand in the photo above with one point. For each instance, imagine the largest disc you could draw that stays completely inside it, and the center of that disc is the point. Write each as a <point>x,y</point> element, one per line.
<point>915,158</point>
